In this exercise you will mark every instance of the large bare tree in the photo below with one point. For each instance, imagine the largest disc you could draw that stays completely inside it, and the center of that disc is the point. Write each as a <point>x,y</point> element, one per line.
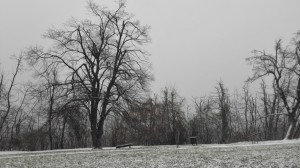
<point>284,68</point>
<point>103,58</point>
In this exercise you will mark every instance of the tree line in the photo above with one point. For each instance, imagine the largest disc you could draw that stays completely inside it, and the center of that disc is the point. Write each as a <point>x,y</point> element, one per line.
<point>90,88</point>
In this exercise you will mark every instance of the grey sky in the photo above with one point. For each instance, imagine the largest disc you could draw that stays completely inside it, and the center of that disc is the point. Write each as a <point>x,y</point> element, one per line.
<point>195,43</point>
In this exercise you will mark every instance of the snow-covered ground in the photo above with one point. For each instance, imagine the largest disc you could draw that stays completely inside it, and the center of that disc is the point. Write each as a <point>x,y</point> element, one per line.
<point>242,154</point>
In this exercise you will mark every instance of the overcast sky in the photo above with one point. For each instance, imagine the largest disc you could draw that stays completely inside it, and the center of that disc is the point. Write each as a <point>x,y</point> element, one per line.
<point>195,43</point>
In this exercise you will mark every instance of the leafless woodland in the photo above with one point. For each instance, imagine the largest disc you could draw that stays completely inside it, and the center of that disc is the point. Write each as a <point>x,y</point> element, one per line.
<point>91,88</point>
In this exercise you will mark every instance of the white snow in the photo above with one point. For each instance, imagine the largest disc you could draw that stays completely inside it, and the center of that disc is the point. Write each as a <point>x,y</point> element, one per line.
<point>264,154</point>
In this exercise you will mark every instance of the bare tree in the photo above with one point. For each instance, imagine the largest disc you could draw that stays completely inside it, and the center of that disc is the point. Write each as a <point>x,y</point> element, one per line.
<point>18,116</point>
<point>6,96</point>
<point>224,107</point>
<point>270,104</point>
<point>246,98</point>
<point>201,123</point>
<point>284,68</point>
<point>103,57</point>
<point>239,116</point>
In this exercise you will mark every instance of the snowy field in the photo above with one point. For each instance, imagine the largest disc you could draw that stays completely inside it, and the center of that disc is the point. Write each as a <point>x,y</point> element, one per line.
<point>245,154</point>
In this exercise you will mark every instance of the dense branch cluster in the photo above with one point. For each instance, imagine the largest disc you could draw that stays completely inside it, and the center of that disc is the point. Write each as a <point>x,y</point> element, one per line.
<point>283,67</point>
<point>103,59</point>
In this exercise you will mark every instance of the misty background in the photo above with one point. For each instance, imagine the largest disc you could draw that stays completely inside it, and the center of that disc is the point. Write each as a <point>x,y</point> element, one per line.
<point>194,43</point>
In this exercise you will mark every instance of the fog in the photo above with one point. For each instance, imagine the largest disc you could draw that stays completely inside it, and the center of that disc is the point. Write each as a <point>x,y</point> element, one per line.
<point>194,43</point>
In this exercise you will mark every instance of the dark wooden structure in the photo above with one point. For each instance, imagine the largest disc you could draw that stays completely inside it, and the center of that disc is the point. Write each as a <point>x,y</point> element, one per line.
<point>124,145</point>
<point>193,140</point>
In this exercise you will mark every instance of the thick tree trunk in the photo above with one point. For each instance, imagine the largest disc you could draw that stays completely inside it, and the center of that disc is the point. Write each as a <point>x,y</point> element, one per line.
<point>292,125</point>
<point>97,127</point>
<point>93,121</point>
<point>97,133</point>
<point>100,132</point>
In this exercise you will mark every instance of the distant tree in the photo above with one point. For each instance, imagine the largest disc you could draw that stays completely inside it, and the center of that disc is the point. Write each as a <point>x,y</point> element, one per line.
<point>157,121</point>
<point>18,117</point>
<point>239,117</point>
<point>202,124</point>
<point>103,58</point>
<point>270,108</point>
<point>173,117</point>
<point>7,97</point>
<point>178,118</point>
<point>50,95</point>
<point>284,68</point>
<point>224,107</point>
<point>246,98</point>
<point>141,119</point>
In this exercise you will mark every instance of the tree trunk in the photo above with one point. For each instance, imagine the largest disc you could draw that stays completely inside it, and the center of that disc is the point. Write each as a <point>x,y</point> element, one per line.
<point>100,132</point>
<point>93,121</point>
<point>50,117</point>
<point>292,125</point>
<point>297,131</point>
<point>63,132</point>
